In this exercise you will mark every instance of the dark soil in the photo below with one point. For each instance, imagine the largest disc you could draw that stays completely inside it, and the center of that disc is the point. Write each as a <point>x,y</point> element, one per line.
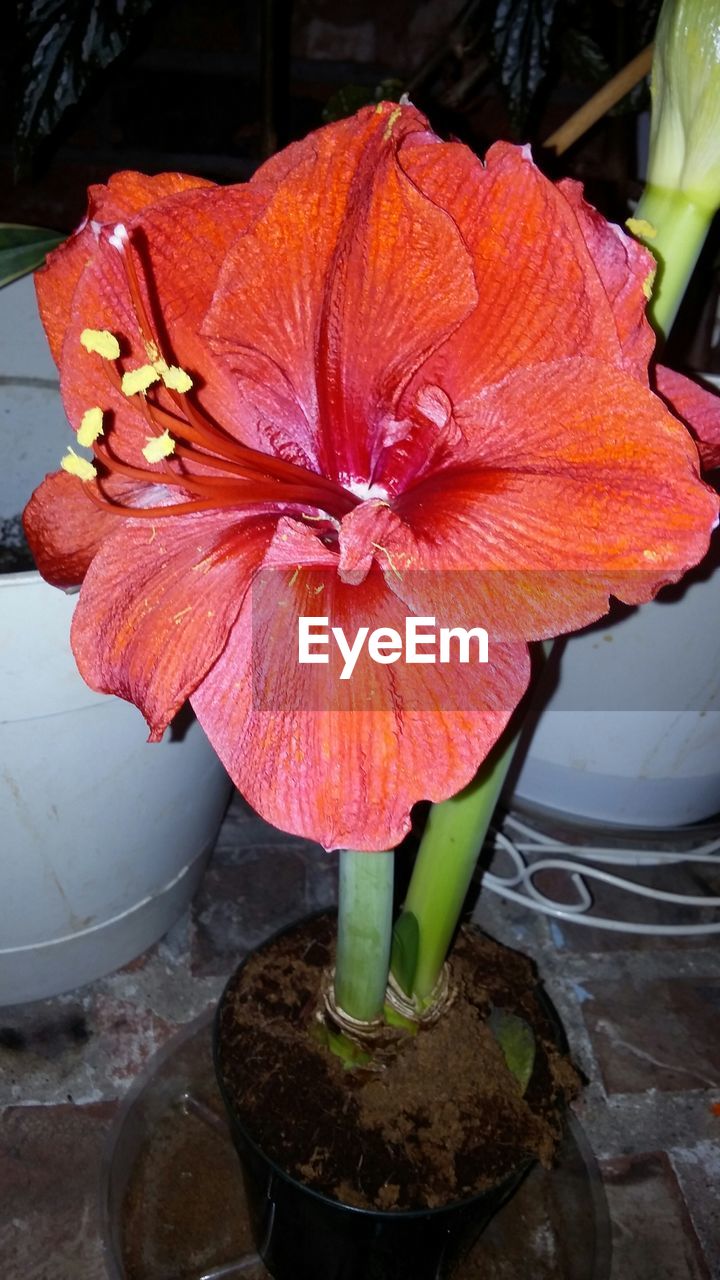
<point>437,1117</point>
<point>15,554</point>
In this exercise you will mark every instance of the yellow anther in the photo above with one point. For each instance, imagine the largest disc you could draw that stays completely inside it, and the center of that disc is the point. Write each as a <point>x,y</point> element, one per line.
<point>90,428</point>
<point>102,342</point>
<point>641,228</point>
<point>648,283</point>
<point>76,466</point>
<point>159,447</point>
<point>175,379</point>
<point>139,379</point>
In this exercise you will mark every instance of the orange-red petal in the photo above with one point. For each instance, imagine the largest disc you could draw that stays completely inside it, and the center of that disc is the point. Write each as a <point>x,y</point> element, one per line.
<point>626,270</point>
<point>180,248</point>
<point>125,195</point>
<point>344,761</point>
<point>158,603</point>
<point>697,406</point>
<point>349,280</point>
<point>578,485</point>
<point>540,296</point>
<point>65,527</point>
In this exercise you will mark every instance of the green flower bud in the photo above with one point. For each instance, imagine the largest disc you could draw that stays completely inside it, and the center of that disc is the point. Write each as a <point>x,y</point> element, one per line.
<point>685,126</point>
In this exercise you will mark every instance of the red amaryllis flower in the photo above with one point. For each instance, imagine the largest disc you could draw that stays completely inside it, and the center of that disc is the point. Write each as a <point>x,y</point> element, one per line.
<point>380,380</point>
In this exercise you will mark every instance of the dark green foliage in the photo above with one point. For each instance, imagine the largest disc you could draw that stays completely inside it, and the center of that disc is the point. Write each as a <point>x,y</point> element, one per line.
<point>521,34</point>
<point>22,249</point>
<point>67,44</point>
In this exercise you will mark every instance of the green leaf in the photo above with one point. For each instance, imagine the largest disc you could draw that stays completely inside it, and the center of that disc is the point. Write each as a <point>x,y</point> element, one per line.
<point>583,59</point>
<point>22,249</point>
<point>404,953</point>
<point>517,1041</point>
<point>522,31</point>
<point>67,46</point>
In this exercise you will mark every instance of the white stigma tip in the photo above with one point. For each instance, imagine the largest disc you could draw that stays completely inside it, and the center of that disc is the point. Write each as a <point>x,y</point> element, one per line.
<point>366,492</point>
<point>119,238</point>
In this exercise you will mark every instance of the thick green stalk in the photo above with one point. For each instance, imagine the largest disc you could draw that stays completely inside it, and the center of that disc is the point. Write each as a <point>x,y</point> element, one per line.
<point>673,227</point>
<point>445,863</point>
<point>365,906</point>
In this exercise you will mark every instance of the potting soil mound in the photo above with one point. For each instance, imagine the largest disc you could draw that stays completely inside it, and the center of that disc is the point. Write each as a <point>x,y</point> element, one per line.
<point>434,1118</point>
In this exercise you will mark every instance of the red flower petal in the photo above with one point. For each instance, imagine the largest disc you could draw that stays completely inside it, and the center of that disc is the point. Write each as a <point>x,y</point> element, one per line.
<point>698,407</point>
<point>182,245</point>
<point>540,296</point>
<point>339,291</point>
<point>344,761</point>
<point>65,527</point>
<point>575,484</point>
<point>158,602</point>
<point>626,269</point>
<point>125,195</point>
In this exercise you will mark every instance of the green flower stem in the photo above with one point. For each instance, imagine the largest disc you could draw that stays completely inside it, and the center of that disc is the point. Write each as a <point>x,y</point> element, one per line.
<point>445,863</point>
<point>365,907</point>
<point>680,226</point>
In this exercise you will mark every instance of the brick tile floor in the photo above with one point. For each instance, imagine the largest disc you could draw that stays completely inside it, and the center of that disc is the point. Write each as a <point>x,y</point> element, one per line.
<point>49,1168</point>
<point>642,1020</point>
<point>664,1031</point>
<point>643,1189</point>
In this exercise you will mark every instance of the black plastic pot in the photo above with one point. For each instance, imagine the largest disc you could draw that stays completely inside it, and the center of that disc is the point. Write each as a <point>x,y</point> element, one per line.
<point>303,1235</point>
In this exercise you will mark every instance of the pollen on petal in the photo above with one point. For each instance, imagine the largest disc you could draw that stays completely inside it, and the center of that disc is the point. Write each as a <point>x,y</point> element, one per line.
<point>77,466</point>
<point>159,447</point>
<point>136,380</point>
<point>91,427</point>
<point>641,228</point>
<point>102,342</point>
<point>394,115</point>
<point>175,379</point>
<point>648,283</point>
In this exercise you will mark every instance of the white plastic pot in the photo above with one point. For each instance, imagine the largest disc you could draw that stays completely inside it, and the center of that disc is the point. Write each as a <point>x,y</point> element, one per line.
<point>103,837</point>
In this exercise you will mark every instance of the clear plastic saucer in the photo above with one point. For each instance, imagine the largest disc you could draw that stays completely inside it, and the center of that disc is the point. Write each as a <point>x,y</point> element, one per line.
<point>173,1205</point>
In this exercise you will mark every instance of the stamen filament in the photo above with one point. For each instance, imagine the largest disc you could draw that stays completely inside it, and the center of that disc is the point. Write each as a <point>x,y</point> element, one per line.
<point>156,513</point>
<point>141,314</point>
<point>253,460</point>
<point>271,478</point>
<point>212,489</point>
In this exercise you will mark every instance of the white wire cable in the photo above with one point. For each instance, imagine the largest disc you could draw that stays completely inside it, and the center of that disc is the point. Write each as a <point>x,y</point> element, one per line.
<point>612,853</point>
<point>529,853</point>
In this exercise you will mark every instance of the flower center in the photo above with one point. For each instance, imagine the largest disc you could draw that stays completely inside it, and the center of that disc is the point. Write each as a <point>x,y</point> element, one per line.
<point>363,490</point>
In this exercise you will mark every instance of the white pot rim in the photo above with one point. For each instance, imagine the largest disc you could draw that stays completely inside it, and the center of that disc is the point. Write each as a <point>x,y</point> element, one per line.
<point>26,578</point>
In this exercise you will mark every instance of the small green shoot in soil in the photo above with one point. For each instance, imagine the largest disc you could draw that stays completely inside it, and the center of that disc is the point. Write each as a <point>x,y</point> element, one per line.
<point>516,1039</point>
